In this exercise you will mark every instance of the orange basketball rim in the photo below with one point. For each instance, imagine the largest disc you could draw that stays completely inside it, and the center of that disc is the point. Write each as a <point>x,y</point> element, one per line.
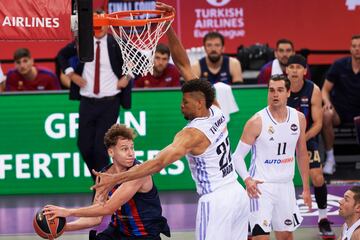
<point>126,18</point>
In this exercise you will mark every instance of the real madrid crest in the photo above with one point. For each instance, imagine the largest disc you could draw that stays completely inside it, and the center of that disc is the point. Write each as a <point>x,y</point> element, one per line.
<point>271,130</point>
<point>265,223</point>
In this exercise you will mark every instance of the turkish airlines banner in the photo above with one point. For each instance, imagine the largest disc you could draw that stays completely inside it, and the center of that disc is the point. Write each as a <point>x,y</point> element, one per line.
<point>317,25</point>
<point>35,19</point>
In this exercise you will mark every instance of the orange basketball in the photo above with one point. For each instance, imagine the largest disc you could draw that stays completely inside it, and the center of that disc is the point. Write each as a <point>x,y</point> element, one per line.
<point>48,229</point>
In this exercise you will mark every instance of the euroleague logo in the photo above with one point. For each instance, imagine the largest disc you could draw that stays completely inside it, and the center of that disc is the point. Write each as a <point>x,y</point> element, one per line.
<point>218,3</point>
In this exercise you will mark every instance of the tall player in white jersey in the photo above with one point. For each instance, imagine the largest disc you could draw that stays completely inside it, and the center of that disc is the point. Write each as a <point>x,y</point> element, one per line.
<point>273,134</point>
<point>223,207</point>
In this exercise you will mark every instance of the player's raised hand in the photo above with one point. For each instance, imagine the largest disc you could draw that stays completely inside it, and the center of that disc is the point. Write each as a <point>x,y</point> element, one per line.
<point>164,7</point>
<point>251,187</point>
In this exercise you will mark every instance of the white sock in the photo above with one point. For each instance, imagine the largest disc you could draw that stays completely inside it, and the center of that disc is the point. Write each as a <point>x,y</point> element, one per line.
<point>330,156</point>
<point>322,214</point>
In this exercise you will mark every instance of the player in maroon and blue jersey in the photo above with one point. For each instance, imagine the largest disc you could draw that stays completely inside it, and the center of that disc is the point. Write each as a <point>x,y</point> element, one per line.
<point>306,97</point>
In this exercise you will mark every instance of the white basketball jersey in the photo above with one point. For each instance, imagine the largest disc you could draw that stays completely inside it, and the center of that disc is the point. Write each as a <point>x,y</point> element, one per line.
<point>213,168</point>
<point>273,153</point>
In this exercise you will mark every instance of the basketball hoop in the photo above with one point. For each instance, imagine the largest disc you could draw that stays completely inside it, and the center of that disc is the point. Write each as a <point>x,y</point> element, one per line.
<point>137,32</point>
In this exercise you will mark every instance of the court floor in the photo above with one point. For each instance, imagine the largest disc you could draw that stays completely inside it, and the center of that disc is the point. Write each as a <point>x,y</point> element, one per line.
<point>300,234</point>
<point>17,211</point>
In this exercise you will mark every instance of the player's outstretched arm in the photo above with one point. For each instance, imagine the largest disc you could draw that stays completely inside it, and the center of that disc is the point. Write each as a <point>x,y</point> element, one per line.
<point>184,142</point>
<point>177,50</point>
<point>303,160</point>
<point>82,223</point>
<point>91,216</point>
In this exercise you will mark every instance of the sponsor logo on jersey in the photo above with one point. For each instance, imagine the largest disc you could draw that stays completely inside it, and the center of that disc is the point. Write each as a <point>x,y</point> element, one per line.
<point>279,161</point>
<point>271,139</point>
<point>288,222</point>
<point>304,99</point>
<point>304,102</point>
<point>271,130</point>
<point>294,127</point>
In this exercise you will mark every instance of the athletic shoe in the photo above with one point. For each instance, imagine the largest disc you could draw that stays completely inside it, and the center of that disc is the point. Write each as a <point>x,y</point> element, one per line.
<point>325,229</point>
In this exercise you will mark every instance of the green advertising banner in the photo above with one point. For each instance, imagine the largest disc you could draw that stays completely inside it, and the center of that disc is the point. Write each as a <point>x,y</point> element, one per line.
<point>38,152</point>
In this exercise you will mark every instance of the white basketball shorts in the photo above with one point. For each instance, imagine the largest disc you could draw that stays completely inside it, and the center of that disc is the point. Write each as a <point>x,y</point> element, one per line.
<point>223,214</point>
<point>276,208</point>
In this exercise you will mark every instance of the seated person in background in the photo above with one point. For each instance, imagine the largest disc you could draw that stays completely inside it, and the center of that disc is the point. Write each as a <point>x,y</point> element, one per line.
<point>27,77</point>
<point>2,80</point>
<point>350,211</point>
<point>165,74</point>
<point>216,67</point>
<point>341,97</point>
<point>134,205</point>
<point>284,49</point>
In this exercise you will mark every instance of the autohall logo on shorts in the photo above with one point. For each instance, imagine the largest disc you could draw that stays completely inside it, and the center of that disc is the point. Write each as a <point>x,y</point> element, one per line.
<point>288,222</point>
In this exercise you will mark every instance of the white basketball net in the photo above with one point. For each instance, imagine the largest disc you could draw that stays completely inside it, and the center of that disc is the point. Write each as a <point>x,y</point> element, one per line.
<point>138,45</point>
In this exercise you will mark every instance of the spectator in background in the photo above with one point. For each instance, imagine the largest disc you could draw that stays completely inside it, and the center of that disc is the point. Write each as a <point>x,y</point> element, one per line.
<point>165,74</point>
<point>341,97</point>
<point>2,80</point>
<point>101,88</point>
<point>284,49</point>
<point>27,77</point>
<point>217,67</point>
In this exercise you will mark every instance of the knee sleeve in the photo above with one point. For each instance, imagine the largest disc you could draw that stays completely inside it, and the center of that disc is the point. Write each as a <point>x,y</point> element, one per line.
<point>321,196</point>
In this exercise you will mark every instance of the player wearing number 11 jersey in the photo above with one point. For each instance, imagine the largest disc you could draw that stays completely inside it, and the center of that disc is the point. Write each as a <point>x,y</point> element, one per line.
<point>273,135</point>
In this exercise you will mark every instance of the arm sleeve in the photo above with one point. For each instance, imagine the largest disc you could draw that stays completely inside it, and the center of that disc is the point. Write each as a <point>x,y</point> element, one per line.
<point>238,156</point>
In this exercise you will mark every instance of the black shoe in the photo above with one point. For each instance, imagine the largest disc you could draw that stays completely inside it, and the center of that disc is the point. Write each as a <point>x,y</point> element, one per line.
<point>325,229</point>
